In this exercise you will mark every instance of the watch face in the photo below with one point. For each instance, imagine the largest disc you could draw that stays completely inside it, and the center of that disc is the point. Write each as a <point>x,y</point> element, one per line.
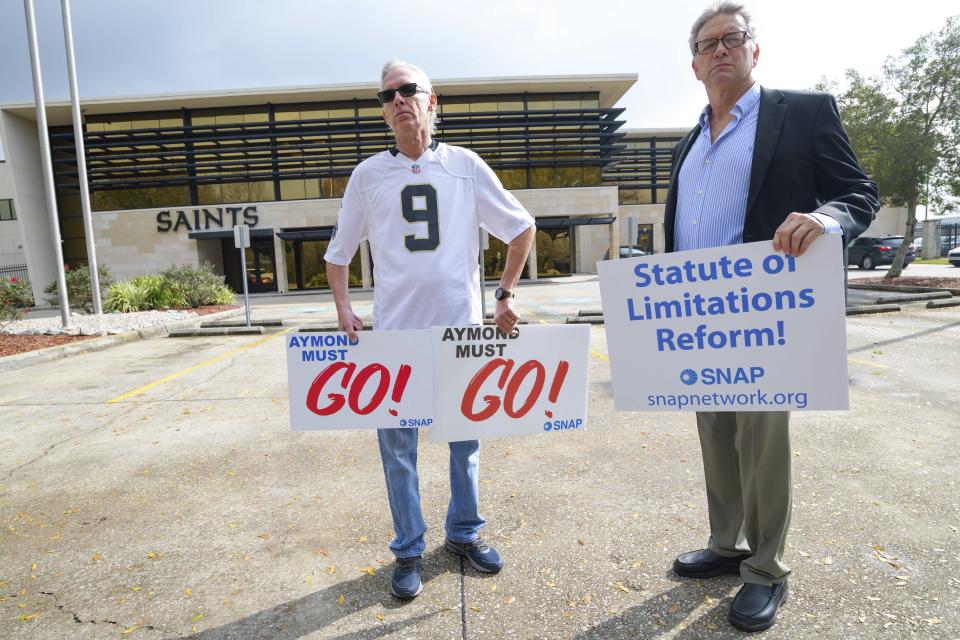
<point>501,293</point>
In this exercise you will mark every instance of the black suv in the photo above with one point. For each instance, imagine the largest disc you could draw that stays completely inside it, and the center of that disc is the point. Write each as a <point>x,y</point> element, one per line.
<point>869,252</point>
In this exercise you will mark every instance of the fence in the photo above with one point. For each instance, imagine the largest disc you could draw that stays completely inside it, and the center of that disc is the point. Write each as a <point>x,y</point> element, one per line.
<point>948,231</point>
<point>18,271</point>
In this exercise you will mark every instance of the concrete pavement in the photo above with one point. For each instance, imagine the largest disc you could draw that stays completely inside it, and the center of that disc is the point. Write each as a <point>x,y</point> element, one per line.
<point>154,490</point>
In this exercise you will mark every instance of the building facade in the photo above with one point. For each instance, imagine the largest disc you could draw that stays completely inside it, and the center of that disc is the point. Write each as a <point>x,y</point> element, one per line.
<point>170,175</point>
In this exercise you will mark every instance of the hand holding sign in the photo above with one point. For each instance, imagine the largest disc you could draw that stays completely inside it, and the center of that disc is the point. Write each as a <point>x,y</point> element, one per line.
<point>383,380</point>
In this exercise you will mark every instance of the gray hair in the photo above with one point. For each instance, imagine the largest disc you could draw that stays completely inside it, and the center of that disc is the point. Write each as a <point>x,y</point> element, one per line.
<point>720,8</point>
<point>397,63</point>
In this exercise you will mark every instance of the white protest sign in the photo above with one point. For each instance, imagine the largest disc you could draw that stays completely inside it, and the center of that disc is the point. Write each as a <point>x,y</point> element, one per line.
<point>385,380</point>
<point>489,384</point>
<point>737,328</point>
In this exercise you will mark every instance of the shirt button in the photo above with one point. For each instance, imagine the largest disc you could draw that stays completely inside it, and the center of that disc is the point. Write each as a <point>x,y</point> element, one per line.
<point>699,192</point>
<point>707,161</point>
<point>695,221</point>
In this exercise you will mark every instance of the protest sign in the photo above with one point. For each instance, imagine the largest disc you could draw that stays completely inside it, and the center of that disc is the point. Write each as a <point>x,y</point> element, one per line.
<point>384,380</point>
<point>736,328</point>
<point>491,384</point>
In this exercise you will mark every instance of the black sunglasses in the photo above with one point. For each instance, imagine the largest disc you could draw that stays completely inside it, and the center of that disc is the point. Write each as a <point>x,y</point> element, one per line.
<point>729,40</point>
<point>406,90</point>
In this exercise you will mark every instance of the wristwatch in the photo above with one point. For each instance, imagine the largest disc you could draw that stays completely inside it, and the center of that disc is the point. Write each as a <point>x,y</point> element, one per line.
<point>502,294</point>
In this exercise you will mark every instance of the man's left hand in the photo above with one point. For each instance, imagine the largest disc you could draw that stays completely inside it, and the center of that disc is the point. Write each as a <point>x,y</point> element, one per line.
<point>504,316</point>
<point>796,234</point>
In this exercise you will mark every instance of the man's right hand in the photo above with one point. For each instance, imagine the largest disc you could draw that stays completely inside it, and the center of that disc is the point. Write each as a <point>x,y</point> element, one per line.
<point>349,322</point>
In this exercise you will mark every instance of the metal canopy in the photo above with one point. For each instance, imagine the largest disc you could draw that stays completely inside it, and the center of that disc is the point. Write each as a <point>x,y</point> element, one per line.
<point>559,223</point>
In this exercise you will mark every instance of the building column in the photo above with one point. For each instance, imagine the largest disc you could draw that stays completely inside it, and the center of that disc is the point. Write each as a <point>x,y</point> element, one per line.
<point>613,229</point>
<point>280,264</point>
<point>366,269</point>
<point>532,261</point>
<point>931,240</point>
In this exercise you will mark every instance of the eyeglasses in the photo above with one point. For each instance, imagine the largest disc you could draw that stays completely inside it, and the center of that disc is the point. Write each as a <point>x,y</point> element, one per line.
<point>729,40</point>
<point>405,90</point>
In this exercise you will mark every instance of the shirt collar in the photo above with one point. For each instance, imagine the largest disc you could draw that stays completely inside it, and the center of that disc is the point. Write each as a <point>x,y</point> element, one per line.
<point>434,143</point>
<point>745,105</point>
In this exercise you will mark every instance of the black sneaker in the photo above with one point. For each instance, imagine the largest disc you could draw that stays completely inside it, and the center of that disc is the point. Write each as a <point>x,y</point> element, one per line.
<point>406,583</point>
<point>482,556</point>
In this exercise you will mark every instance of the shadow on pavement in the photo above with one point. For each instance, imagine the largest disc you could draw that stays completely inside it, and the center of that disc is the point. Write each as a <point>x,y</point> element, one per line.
<point>662,614</point>
<point>316,611</point>
<point>911,336</point>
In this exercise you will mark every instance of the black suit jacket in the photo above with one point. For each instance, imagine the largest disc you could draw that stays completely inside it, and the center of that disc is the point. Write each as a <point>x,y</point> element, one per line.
<point>802,161</point>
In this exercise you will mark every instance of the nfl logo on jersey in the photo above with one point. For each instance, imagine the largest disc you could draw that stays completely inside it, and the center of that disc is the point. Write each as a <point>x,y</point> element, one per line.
<point>415,168</point>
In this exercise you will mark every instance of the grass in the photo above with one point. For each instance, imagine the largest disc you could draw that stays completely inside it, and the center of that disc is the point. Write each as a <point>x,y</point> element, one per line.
<point>931,261</point>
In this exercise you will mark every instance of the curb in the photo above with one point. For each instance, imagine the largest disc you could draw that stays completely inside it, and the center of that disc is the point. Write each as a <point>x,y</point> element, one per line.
<point>195,332</point>
<point>872,308</point>
<point>940,304</point>
<point>20,360</point>
<point>901,288</point>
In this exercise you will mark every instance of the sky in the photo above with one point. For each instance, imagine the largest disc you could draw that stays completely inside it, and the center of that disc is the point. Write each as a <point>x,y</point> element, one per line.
<point>138,47</point>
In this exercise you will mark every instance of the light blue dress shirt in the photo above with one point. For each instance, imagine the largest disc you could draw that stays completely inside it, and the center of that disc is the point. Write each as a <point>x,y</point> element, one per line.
<point>714,181</point>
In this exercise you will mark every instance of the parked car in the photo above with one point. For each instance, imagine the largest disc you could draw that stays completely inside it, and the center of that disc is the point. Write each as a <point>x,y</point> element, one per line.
<point>954,256</point>
<point>867,252</point>
<point>631,252</point>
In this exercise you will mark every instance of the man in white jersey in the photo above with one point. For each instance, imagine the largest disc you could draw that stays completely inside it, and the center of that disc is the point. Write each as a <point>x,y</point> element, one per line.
<point>421,205</point>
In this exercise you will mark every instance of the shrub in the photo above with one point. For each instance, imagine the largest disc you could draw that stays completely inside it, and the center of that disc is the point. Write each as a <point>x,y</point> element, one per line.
<point>79,291</point>
<point>222,295</point>
<point>15,297</point>
<point>158,292</point>
<point>198,286</point>
<point>125,297</point>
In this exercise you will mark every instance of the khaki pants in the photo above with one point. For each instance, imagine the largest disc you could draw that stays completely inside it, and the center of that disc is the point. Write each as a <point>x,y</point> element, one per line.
<point>746,464</point>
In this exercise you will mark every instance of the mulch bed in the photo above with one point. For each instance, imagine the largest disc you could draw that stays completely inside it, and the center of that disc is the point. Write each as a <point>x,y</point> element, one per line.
<point>912,281</point>
<point>11,344</point>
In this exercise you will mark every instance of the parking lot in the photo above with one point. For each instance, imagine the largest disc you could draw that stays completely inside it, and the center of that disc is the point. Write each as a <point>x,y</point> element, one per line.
<point>155,490</point>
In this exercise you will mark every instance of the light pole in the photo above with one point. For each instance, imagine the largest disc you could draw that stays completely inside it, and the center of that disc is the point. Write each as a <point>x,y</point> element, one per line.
<point>46,163</point>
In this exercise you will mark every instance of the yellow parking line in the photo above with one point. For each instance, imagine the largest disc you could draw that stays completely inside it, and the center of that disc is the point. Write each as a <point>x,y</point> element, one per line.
<point>868,363</point>
<point>173,376</point>
<point>597,354</point>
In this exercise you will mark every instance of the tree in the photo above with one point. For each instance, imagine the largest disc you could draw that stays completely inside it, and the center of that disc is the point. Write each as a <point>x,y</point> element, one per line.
<point>905,126</point>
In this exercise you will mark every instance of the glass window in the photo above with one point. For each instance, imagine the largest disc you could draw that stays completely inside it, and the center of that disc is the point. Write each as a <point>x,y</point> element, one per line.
<point>338,186</point>
<point>7,211</point>
<point>306,266</point>
<point>553,252</point>
<point>209,194</point>
<point>513,178</point>
<point>292,190</point>
<point>261,191</point>
<point>235,192</point>
<point>142,198</point>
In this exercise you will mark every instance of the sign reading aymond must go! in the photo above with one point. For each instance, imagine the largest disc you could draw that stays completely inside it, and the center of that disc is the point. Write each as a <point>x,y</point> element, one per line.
<point>735,328</point>
<point>384,380</point>
<point>462,382</point>
<point>491,384</point>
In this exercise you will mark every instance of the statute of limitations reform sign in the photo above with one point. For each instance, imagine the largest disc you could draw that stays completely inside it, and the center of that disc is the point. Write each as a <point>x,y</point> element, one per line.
<point>737,328</point>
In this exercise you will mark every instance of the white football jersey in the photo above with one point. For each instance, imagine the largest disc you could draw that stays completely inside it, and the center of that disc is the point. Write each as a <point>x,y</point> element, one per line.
<point>422,219</point>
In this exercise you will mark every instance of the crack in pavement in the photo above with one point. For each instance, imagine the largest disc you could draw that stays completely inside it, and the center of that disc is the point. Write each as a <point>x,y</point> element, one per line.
<point>108,422</point>
<point>77,619</point>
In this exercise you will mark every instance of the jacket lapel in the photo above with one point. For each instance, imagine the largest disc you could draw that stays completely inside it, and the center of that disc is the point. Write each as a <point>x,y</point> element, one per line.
<point>769,123</point>
<point>670,211</point>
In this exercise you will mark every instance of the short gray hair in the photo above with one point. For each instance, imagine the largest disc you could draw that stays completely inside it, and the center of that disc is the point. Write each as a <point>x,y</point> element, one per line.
<point>720,8</point>
<point>397,63</point>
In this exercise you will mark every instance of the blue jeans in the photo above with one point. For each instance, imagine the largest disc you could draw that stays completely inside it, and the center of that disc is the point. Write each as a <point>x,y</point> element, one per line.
<point>398,451</point>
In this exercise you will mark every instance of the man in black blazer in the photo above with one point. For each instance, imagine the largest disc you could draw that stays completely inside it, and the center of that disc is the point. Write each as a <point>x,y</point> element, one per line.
<point>771,165</point>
